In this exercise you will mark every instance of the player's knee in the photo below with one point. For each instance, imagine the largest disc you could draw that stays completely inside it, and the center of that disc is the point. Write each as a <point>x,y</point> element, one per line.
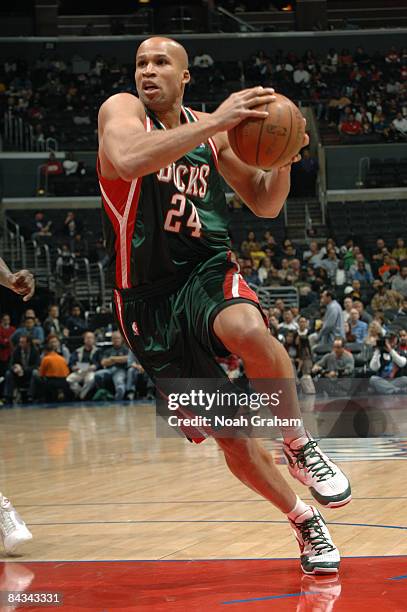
<point>243,335</point>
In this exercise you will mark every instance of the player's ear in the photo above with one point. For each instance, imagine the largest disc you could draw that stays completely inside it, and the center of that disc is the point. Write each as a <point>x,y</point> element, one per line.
<point>186,77</point>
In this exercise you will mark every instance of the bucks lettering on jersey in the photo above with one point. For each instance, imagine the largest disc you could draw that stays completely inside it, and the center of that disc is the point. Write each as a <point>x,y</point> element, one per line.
<point>162,225</point>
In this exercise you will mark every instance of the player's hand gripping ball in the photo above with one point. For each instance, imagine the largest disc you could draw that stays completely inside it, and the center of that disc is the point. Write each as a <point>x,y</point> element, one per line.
<point>272,142</point>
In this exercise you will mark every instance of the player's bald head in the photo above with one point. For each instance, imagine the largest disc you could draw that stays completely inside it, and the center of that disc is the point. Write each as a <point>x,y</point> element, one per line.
<point>161,44</point>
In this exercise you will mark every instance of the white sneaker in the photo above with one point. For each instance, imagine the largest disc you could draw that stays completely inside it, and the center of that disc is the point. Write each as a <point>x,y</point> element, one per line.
<point>13,530</point>
<point>319,554</point>
<point>308,464</point>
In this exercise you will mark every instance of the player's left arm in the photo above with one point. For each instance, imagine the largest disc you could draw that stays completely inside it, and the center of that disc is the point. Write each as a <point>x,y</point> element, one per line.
<point>264,192</point>
<point>21,282</point>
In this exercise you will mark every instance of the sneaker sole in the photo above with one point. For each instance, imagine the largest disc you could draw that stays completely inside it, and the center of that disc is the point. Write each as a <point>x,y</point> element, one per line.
<point>336,501</point>
<point>319,571</point>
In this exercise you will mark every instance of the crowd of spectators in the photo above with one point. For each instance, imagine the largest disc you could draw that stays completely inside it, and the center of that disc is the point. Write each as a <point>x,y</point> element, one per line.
<point>36,363</point>
<point>362,95</point>
<point>350,322</point>
<point>352,315</point>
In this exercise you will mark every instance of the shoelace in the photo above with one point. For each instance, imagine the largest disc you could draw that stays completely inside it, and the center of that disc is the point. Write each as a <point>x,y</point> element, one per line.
<point>7,523</point>
<point>319,468</point>
<point>312,532</point>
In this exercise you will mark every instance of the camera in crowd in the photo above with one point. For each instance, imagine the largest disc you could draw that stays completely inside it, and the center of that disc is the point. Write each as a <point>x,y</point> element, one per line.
<point>381,342</point>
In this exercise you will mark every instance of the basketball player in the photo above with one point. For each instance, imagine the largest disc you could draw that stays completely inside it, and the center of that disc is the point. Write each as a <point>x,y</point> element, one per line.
<point>179,298</point>
<point>13,530</point>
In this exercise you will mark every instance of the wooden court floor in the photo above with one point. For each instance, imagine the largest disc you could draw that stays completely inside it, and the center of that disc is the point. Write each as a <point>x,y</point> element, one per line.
<point>93,483</point>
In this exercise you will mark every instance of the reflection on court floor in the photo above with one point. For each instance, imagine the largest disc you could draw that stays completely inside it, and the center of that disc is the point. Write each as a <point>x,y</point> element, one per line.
<point>123,520</point>
<point>267,584</point>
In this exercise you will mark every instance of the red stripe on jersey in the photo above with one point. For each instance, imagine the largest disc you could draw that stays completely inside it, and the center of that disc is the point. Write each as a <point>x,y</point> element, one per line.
<point>116,226</point>
<point>129,225</point>
<point>246,292</point>
<point>229,284</point>
<point>122,213</point>
<point>120,315</point>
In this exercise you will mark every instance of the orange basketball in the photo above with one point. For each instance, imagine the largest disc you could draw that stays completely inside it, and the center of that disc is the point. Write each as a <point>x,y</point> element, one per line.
<point>270,142</point>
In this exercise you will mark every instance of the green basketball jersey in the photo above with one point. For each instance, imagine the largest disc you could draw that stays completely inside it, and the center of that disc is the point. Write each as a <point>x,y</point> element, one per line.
<point>161,226</point>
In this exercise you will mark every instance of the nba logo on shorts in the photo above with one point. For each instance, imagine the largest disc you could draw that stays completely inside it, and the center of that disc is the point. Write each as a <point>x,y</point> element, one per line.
<point>134,327</point>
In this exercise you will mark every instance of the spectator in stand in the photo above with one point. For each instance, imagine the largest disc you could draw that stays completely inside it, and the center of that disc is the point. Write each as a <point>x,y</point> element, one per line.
<point>6,331</point>
<point>362,274</point>
<point>332,60</point>
<point>351,127</point>
<point>400,251</point>
<point>75,323</point>
<point>363,315</point>
<point>59,348</point>
<point>53,166</point>
<point>347,307</point>
<point>79,246</point>
<point>30,329</point>
<point>288,323</point>
<point>349,337</point>
<point>285,270</point>
<point>313,256</point>
<point>359,258</point>
<point>381,125</point>
<point>52,324</point>
<point>71,227</point>
<point>388,268</point>
<point>264,270</point>
<point>399,124</point>
<point>385,299</point>
<point>357,327</point>
<point>399,282</point>
<point>136,375</point>
<point>23,361</point>
<point>41,230</point>
<point>403,308</point>
<point>50,383</point>
<point>337,363</point>
<point>378,254</point>
<point>114,367</point>
<point>249,245</point>
<point>374,332</point>
<point>250,274</point>
<point>330,264</point>
<point>389,362</point>
<point>333,324</point>
<point>301,76</point>
<point>83,364</point>
<point>392,56</point>
<point>303,326</point>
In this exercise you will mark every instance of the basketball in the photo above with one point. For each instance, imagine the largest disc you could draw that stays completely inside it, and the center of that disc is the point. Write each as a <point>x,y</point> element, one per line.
<point>271,142</point>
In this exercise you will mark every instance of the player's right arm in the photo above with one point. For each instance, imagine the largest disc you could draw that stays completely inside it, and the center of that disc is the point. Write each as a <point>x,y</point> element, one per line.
<point>128,151</point>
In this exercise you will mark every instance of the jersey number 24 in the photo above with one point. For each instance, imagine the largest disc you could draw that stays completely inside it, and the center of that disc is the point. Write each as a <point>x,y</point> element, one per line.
<point>172,222</point>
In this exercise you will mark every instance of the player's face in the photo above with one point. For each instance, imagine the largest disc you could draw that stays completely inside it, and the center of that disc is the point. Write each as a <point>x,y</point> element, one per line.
<point>160,75</point>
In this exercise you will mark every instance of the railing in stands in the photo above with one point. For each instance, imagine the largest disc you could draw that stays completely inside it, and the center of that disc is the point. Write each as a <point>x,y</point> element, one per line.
<point>268,295</point>
<point>20,135</point>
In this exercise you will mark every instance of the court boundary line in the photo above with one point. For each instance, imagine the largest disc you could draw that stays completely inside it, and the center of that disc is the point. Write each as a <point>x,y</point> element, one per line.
<point>202,501</point>
<point>211,521</point>
<point>25,561</point>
